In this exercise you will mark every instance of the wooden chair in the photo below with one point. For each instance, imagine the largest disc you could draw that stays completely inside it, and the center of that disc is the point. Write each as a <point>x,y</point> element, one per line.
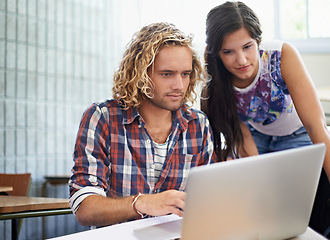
<point>20,183</point>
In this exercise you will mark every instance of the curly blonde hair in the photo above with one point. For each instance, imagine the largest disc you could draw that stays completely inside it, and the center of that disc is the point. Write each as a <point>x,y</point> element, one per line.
<point>132,83</point>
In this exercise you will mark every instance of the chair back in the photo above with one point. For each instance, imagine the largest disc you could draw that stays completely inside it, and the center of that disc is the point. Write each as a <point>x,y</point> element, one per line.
<point>20,183</point>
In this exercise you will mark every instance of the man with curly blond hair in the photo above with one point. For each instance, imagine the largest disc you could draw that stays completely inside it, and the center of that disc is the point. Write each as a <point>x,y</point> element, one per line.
<point>133,153</point>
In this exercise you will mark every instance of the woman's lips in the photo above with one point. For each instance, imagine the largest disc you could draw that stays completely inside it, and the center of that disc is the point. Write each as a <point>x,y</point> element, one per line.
<point>243,68</point>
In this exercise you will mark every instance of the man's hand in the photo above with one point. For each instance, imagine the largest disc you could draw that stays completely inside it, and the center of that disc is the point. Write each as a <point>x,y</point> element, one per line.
<point>170,201</point>
<point>96,210</point>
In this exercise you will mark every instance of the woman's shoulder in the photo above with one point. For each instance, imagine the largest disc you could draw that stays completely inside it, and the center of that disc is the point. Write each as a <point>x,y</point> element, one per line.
<point>271,45</point>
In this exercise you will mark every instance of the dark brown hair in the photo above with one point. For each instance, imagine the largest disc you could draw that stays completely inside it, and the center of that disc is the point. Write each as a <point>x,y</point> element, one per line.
<point>218,101</point>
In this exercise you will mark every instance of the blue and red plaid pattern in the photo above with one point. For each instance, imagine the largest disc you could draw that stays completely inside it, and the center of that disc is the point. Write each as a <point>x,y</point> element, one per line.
<point>114,153</point>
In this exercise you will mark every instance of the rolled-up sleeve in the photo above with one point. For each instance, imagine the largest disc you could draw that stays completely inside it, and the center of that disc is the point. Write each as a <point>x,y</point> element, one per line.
<point>91,169</point>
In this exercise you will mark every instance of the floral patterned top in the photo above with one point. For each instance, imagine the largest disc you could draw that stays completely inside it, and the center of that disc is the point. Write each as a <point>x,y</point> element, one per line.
<point>267,97</point>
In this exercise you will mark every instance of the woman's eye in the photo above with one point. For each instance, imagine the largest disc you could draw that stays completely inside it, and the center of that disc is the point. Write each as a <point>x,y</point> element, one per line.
<point>227,52</point>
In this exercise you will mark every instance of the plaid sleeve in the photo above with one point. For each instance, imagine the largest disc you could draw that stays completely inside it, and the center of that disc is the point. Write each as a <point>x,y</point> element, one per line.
<point>90,172</point>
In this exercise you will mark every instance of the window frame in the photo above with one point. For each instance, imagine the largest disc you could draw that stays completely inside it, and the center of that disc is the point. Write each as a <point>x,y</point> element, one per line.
<point>309,45</point>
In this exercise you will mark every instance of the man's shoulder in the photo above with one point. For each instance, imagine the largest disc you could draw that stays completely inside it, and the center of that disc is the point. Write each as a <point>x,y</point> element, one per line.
<point>104,107</point>
<point>106,103</point>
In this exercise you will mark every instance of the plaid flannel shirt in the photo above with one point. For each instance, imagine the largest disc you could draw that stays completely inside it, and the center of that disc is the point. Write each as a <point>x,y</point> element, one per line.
<point>114,153</point>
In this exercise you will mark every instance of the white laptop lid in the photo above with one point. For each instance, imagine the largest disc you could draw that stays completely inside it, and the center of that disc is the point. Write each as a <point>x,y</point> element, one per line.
<point>268,196</point>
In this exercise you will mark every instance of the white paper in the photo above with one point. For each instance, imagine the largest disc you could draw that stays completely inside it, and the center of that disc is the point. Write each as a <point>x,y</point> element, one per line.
<point>118,231</point>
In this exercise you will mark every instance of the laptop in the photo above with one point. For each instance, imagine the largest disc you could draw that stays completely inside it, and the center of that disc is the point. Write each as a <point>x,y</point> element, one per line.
<point>268,196</point>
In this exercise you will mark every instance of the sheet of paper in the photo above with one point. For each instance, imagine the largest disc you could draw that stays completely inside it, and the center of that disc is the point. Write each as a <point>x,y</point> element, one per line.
<point>118,231</point>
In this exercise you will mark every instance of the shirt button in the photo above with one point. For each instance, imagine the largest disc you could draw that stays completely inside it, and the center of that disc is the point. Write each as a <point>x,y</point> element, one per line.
<point>148,141</point>
<point>139,126</point>
<point>153,166</point>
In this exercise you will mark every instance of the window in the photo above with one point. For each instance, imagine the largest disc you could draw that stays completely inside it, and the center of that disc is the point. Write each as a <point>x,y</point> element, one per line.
<point>305,23</point>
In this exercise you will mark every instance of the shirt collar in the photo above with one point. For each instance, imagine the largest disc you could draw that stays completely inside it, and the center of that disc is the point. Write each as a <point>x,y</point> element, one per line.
<point>182,116</point>
<point>129,115</point>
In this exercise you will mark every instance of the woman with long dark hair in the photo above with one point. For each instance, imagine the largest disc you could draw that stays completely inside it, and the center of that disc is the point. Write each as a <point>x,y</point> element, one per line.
<point>260,97</point>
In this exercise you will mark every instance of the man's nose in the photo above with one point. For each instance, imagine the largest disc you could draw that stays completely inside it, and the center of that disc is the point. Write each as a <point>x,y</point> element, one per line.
<point>178,82</point>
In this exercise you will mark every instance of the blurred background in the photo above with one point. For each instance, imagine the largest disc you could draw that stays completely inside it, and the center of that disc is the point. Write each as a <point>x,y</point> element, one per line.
<point>58,56</point>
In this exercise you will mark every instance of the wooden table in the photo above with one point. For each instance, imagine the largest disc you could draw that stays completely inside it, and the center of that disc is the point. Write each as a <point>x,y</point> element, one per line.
<point>54,180</point>
<point>14,207</point>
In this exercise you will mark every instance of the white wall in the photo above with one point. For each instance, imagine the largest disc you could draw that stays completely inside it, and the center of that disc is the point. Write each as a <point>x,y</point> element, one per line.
<point>318,67</point>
